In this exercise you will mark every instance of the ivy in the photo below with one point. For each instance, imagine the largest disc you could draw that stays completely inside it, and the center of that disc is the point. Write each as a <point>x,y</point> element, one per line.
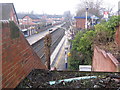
<point>14,30</point>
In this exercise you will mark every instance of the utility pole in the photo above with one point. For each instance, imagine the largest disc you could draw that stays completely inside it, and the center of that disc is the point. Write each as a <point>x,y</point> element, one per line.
<point>47,45</point>
<point>86,18</point>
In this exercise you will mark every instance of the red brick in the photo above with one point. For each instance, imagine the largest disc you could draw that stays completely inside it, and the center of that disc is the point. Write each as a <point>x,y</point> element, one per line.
<point>117,36</point>
<point>17,59</point>
<point>80,23</point>
<point>103,61</point>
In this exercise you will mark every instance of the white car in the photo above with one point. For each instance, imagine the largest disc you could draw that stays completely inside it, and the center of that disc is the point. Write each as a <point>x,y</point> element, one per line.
<point>26,35</point>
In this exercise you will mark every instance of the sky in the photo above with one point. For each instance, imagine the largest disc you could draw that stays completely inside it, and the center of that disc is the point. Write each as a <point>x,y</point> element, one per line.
<point>53,6</point>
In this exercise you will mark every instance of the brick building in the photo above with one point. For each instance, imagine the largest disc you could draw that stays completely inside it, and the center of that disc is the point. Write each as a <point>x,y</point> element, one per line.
<point>28,23</point>
<point>8,12</point>
<point>29,19</point>
<point>54,18</point>
<point>81,20</point>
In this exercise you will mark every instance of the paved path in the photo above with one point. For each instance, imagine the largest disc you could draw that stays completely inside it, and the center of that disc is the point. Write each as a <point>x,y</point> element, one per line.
<point>34,38</point>
<point>60,59</point>
<point>58,56</point>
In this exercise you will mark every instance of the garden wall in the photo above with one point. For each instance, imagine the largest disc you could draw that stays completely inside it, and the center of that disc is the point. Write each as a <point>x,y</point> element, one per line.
<point>104,62</point>
<point>18,57</point>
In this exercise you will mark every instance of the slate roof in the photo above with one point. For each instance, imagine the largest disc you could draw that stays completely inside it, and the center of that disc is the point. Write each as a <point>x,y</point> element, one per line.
<point>32,16</point>
<point>20,16</point>
<point>37,16</point>
<point>5,9</point>
<point>54,16</point>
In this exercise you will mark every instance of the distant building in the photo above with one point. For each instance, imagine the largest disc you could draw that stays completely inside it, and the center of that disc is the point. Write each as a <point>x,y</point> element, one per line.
<point>29,19</point>
<point>81,20</point>
<point>8,12</point>
<point>33,19</point>
<point>54,18</point>
<point>30,23</point>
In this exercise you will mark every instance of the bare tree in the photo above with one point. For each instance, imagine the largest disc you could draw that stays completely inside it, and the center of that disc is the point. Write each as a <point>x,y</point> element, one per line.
<point>94,7</point>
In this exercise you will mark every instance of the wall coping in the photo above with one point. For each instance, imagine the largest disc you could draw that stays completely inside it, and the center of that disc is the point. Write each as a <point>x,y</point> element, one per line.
<point>109,55</point>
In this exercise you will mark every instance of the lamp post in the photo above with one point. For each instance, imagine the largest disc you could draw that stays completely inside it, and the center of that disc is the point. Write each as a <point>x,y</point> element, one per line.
<point>86,18</point>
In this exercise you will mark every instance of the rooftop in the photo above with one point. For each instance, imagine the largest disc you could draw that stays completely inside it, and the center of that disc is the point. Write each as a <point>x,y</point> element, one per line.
<point>32,16</point>
<point>89,15</point>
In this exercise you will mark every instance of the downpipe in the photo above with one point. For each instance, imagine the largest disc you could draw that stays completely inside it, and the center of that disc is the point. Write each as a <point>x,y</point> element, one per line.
<point>71,79</point>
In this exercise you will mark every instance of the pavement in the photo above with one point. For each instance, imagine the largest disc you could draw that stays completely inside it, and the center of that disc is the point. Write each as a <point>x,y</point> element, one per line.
<point>60,59</point>
<point>34,38</point>
<point>58,56</point>
<point>56,51</point>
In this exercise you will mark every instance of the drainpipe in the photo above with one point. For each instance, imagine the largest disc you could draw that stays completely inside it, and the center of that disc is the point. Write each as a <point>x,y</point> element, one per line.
<point>71,79</point>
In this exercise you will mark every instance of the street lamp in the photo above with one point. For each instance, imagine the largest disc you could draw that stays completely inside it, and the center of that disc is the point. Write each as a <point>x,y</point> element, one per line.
<point>86,18</point>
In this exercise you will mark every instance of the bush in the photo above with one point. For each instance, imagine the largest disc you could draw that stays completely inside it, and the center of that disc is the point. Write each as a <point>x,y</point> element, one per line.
<point>82,45</point>
<point>81,49</point>
<point>103,34</point>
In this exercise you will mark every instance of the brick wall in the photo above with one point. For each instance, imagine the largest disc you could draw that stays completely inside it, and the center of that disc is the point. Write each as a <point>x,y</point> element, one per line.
<point>117,36</point>
<point>13,16</point>
<point>80,23</point>
<point>18,58</point>
<point>104,62</point>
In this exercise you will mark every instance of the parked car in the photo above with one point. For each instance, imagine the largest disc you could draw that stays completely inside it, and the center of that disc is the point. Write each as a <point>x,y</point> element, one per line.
<point>26,35</point>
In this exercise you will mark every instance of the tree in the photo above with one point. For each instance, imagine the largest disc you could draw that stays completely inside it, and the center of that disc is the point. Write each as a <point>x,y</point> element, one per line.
<point>94,7</point>
<point>84,41</point>
<point>82,51</point>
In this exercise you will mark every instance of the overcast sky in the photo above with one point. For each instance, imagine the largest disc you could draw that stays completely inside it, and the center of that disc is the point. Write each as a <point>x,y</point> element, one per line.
<point>52,6</point>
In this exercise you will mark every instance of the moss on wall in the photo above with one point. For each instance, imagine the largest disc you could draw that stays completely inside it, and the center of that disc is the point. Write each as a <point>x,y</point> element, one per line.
<point>14,30</point>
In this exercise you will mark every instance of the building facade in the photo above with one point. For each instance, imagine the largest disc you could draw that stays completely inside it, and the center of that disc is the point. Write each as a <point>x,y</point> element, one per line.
<point>81,21</point>
<point>8,12</point>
